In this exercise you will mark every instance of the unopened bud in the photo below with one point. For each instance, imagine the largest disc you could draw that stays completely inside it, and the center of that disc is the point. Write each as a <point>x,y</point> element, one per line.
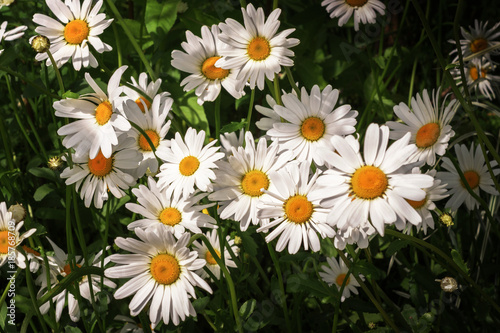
<point>446,219</point>
<point>40,44</point>
<point>18,212</point>
<point>237,240</point>
<point>55,162</point>
<point>449,284</point>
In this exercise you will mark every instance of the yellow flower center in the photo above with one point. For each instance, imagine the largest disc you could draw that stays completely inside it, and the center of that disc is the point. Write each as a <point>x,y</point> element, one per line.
<point>189,165</point>
<point>210,258</point>
<point>170,216</point>
<point>100,166</point>
<point>427,135</point>
<point>76,31</point>
<point>298,209</point>
<point>67,269</point>
<point>103,112</point>
<point>369,182</point>
<point>258,49</point>
<point>253,181</point>
<point>475,75</point>
<point>356,3</point>
<point>211,72</point>
<point>141,100</point>
<point>4,242</point>
<point>153,136</point>
<point>340,279</point>
<point>165,269</point>
<point>312,129</point>
<point>478,45</point>
<point>417,204</point>
<point>472,178</point>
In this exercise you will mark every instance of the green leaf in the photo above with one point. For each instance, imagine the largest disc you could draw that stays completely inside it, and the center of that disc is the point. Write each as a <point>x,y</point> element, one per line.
<point>194,113</point>
<point>380,60</point>
<point>368,270</point>
<point>457,258</point>
<point>43,173</point>
<point>43,191</point>
<point>70,94</point>
<point>160,16</point>
<point>201,303</point>
<point>71,329</point>
<point>395,246</point>
<point>247,308</point>
<point>248,243</point>
<point>233,126</point>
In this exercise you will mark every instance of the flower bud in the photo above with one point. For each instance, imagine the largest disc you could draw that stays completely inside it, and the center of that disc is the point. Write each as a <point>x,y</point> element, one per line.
<point>54,163</point>
<point>40,44</point>
<point>18,212</point>
<point>449,284</point>
<point>446,219</point>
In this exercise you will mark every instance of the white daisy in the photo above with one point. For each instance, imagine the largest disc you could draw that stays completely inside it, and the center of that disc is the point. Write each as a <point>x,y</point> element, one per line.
<point>206,77</point>
<point>477,39</point>
<point>364,10</point>
<point>335,273</point>
<point>240,180</point>
<point>13,34</point>
<point>212,265</point>
<point>5,3</point>
<point>151,120</point>
<point>358,235</point>
<point>294,205</point>
<point>99,122</point>
<point>160,210</point>
<point>188,163</point>
<point>147,89</point>
<point>97,176</point>
<point>255,49</point>
<point>311,122</point>
<point>229,140</point>
<point>10,238</point>
<point>78,25</point>
<point>475,170</point>
<point>478,77</point>
<point>428,122</point>
<point>374,187</point>
<point>161,272</point>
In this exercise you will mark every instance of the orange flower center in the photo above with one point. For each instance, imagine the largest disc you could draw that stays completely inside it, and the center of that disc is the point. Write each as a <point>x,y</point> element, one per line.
<point>473,72</point>
<point>170,216</point>
<point>153,136</point>
<point>76,31</point>
<point>340,280</point>
<point>67,269</point>
<point>356,3</point>
<point>258,49</point>
<point>478,45</point>
<point>298,209</point>
<point>417,204</point>
<point>100,166</point>
<point>472,178</point>
<point>369,182</point>
<point>165,269</point>
<point>189,165</point>
<point>210,258</point>
<point>312,129</point>
<point>211,72</point>
<point>4,242</point>
<point>141,100</point>
<point>427,135</point>
<point>30,250</point>
<point>103,112</point>
<point>253,181</point>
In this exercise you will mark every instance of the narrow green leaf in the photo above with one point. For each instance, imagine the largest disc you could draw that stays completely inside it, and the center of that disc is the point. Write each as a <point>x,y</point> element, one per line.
<point>233,126</point>
<point>247,308</point>
<point>457,258</point>
<point>43,191</point>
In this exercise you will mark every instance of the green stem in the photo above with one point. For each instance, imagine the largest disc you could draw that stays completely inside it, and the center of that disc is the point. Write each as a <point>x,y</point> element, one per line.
<point>6,145</point>
<point>217,116</point>
<point>292,81</point>
<point>277,95</point>
<point>275,4</point>
<point>282,287</point>
<point>31,290</point>
<point>24,79</point>
<point>412,81</point>
<point>58,74</point>
<point>6,290</point>
<point>118,46</point>
<point>250,109</point>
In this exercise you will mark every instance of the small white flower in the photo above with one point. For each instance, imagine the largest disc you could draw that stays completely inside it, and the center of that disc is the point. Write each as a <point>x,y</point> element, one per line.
<point>335,273</point>
<point>477,39</point>
<point>364,10</point>
<point>204,253</point>
<point>13,34</point>
<point>478,77</point>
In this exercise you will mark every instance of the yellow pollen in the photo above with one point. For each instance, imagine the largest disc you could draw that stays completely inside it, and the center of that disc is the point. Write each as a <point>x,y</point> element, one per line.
<point>416,204</point>
<point>170,216</point>
<point>298,209</point>
<point>259,49</point>
<point>210,258</point>
<point>100,166</point>
<point>253,181</point>
<point>340,279</point>
<point>472,179</point>
<point>205,211</point>
<point>478,45</point>
<point>4,242</point>
<point>211,72</point>
<point>103,112</point>
<point>67,269</point>
<point>30,250</point>
<point>189,165</point>
<point>475,75</point>
<point>165,269</point>
<point>356,3</point>
<point>369,182</point>
<point>153,136</point>
<point>312,129</point>
<point>427,135</point>
<point>76,31</point>
<point>141,100</point>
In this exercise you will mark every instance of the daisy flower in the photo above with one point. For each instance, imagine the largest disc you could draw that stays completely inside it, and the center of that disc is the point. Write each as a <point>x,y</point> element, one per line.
<point>97,176</point>
<point>229,140</point>
<point>10,238</point>
<point>78,25</point>
<point>99,122</point>
<point>374,187</point>
<point>478,77</point>
<point>295,208</point>
<point>364,10</point>
<point>335,273</point>
<point>206,77</point>
<point>475,171</point>
<point>358,235</point>
<point>428,121</point>
<point>5,3</point>
<point>188,163</point>
<point>148,89</point>
<point>161,272</point>
<point>162,211</point>
<point>255,49</point>
<point>204,253</point>
<point>477,39</point>
<point>152,120</point>
<point>240,180</point>
<point>311,122</point>
<point>11,34</point>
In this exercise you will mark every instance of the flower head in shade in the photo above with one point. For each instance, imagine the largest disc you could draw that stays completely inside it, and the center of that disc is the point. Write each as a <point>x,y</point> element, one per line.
<point>478,77</point>
<point>364,11</point>
<point>256,49</point>
<point>13,34</point>
<point>161,273</point>
<point>473,166</point>
<point>204,253</point>
<point>477,39</point>
<point>230,140</point>
<point>76,26</point>
<point>358,235</point>
<point>295,209</point>
<point>311,122</point>
<point>199,60</point>
<point>99,121</point>
<point>335,273</point>
<point>147,89</point>
<point>428,121</point>
<point>373,187</point>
